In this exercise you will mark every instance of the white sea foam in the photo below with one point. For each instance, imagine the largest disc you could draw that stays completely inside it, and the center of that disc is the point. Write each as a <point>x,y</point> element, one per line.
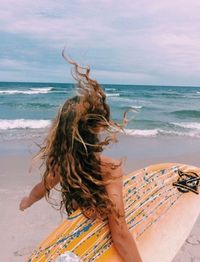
<point>110,89</point>
<point>193,134</point>
<point>42,89</point>
<point>139,132</point>
<point>114,94</point>
<point>190,125</point>
<point>136,107</point>
<point>161,132</point>
<point>31,91</point>
<point>23,124</point>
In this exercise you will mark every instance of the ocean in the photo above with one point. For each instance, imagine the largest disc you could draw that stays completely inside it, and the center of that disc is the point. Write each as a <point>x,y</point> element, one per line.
<point>26,109</point>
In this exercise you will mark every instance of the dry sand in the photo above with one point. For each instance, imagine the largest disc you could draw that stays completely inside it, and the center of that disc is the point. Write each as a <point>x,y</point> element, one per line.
<point>22,231</point>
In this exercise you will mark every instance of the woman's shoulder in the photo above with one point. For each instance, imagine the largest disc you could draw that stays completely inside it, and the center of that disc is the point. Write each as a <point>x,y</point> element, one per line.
<point>111,165</point>
<point>109,160</point>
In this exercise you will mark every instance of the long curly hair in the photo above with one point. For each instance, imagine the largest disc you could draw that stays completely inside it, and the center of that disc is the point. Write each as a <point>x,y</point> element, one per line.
<point>73,145</point>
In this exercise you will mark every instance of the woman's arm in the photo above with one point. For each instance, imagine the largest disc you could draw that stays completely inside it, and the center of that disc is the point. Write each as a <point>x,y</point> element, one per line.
<point>122,238</point>
<point>38,191</point>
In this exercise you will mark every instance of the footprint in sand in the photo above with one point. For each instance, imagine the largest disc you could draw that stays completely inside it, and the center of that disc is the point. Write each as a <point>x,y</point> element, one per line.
<point>195,259</point>
<point>23,252</point>
<point>193,240</point>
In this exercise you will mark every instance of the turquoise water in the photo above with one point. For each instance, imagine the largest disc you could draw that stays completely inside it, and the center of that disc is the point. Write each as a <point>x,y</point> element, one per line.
<point>26,109</point>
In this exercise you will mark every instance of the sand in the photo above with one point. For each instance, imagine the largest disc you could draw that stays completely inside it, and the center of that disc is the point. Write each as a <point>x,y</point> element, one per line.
<point>22,231</point>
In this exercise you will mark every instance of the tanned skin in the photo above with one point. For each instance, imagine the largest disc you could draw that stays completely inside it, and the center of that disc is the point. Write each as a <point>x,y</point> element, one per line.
<point>122,238</point>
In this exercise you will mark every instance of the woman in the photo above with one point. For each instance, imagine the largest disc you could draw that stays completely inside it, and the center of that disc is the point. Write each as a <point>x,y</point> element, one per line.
<point>72,157</point>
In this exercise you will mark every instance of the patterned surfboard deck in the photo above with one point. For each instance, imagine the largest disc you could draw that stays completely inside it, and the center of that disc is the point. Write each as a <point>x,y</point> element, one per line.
<point>158,215</point>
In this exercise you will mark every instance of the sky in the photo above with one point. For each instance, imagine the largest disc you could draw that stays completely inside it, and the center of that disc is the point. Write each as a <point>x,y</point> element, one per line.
<point>154,42</point>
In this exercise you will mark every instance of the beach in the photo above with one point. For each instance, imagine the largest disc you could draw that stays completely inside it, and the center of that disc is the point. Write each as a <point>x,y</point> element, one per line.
<point>133,68</point>
<point>22,231</point>
<point>163,126</point>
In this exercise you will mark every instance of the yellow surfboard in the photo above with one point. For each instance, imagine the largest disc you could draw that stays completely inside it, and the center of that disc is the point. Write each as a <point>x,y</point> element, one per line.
<point>159,213</point>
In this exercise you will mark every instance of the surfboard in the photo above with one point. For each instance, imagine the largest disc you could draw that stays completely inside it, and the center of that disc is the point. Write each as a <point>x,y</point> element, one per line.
<point>159,214</point>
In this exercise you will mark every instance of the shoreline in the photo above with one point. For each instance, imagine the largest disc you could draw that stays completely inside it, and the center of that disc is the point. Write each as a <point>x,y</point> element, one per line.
<point>17,227</point>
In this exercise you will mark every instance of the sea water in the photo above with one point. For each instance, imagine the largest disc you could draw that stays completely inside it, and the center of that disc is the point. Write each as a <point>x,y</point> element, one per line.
<point>27,109</point>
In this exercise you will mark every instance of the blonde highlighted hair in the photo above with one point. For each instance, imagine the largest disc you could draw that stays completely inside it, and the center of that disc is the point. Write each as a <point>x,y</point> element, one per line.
<point>72,146</point>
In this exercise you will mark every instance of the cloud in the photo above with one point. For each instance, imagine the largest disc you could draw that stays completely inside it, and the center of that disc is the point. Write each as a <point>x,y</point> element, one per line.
<point>146,40</point>
<point>12,64</point>
<point>120,77</point>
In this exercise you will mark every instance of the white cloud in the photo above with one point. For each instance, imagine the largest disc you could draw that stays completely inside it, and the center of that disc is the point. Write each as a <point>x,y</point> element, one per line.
<point>120,77</point>
<point>145,40</point>
<point>16,65</point>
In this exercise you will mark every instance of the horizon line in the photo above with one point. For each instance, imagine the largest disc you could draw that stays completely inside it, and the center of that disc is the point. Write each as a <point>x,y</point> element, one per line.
<point>63,83</point>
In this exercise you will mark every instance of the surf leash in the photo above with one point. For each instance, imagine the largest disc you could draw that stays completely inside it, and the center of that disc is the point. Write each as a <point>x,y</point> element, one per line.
<point>187,182</point>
